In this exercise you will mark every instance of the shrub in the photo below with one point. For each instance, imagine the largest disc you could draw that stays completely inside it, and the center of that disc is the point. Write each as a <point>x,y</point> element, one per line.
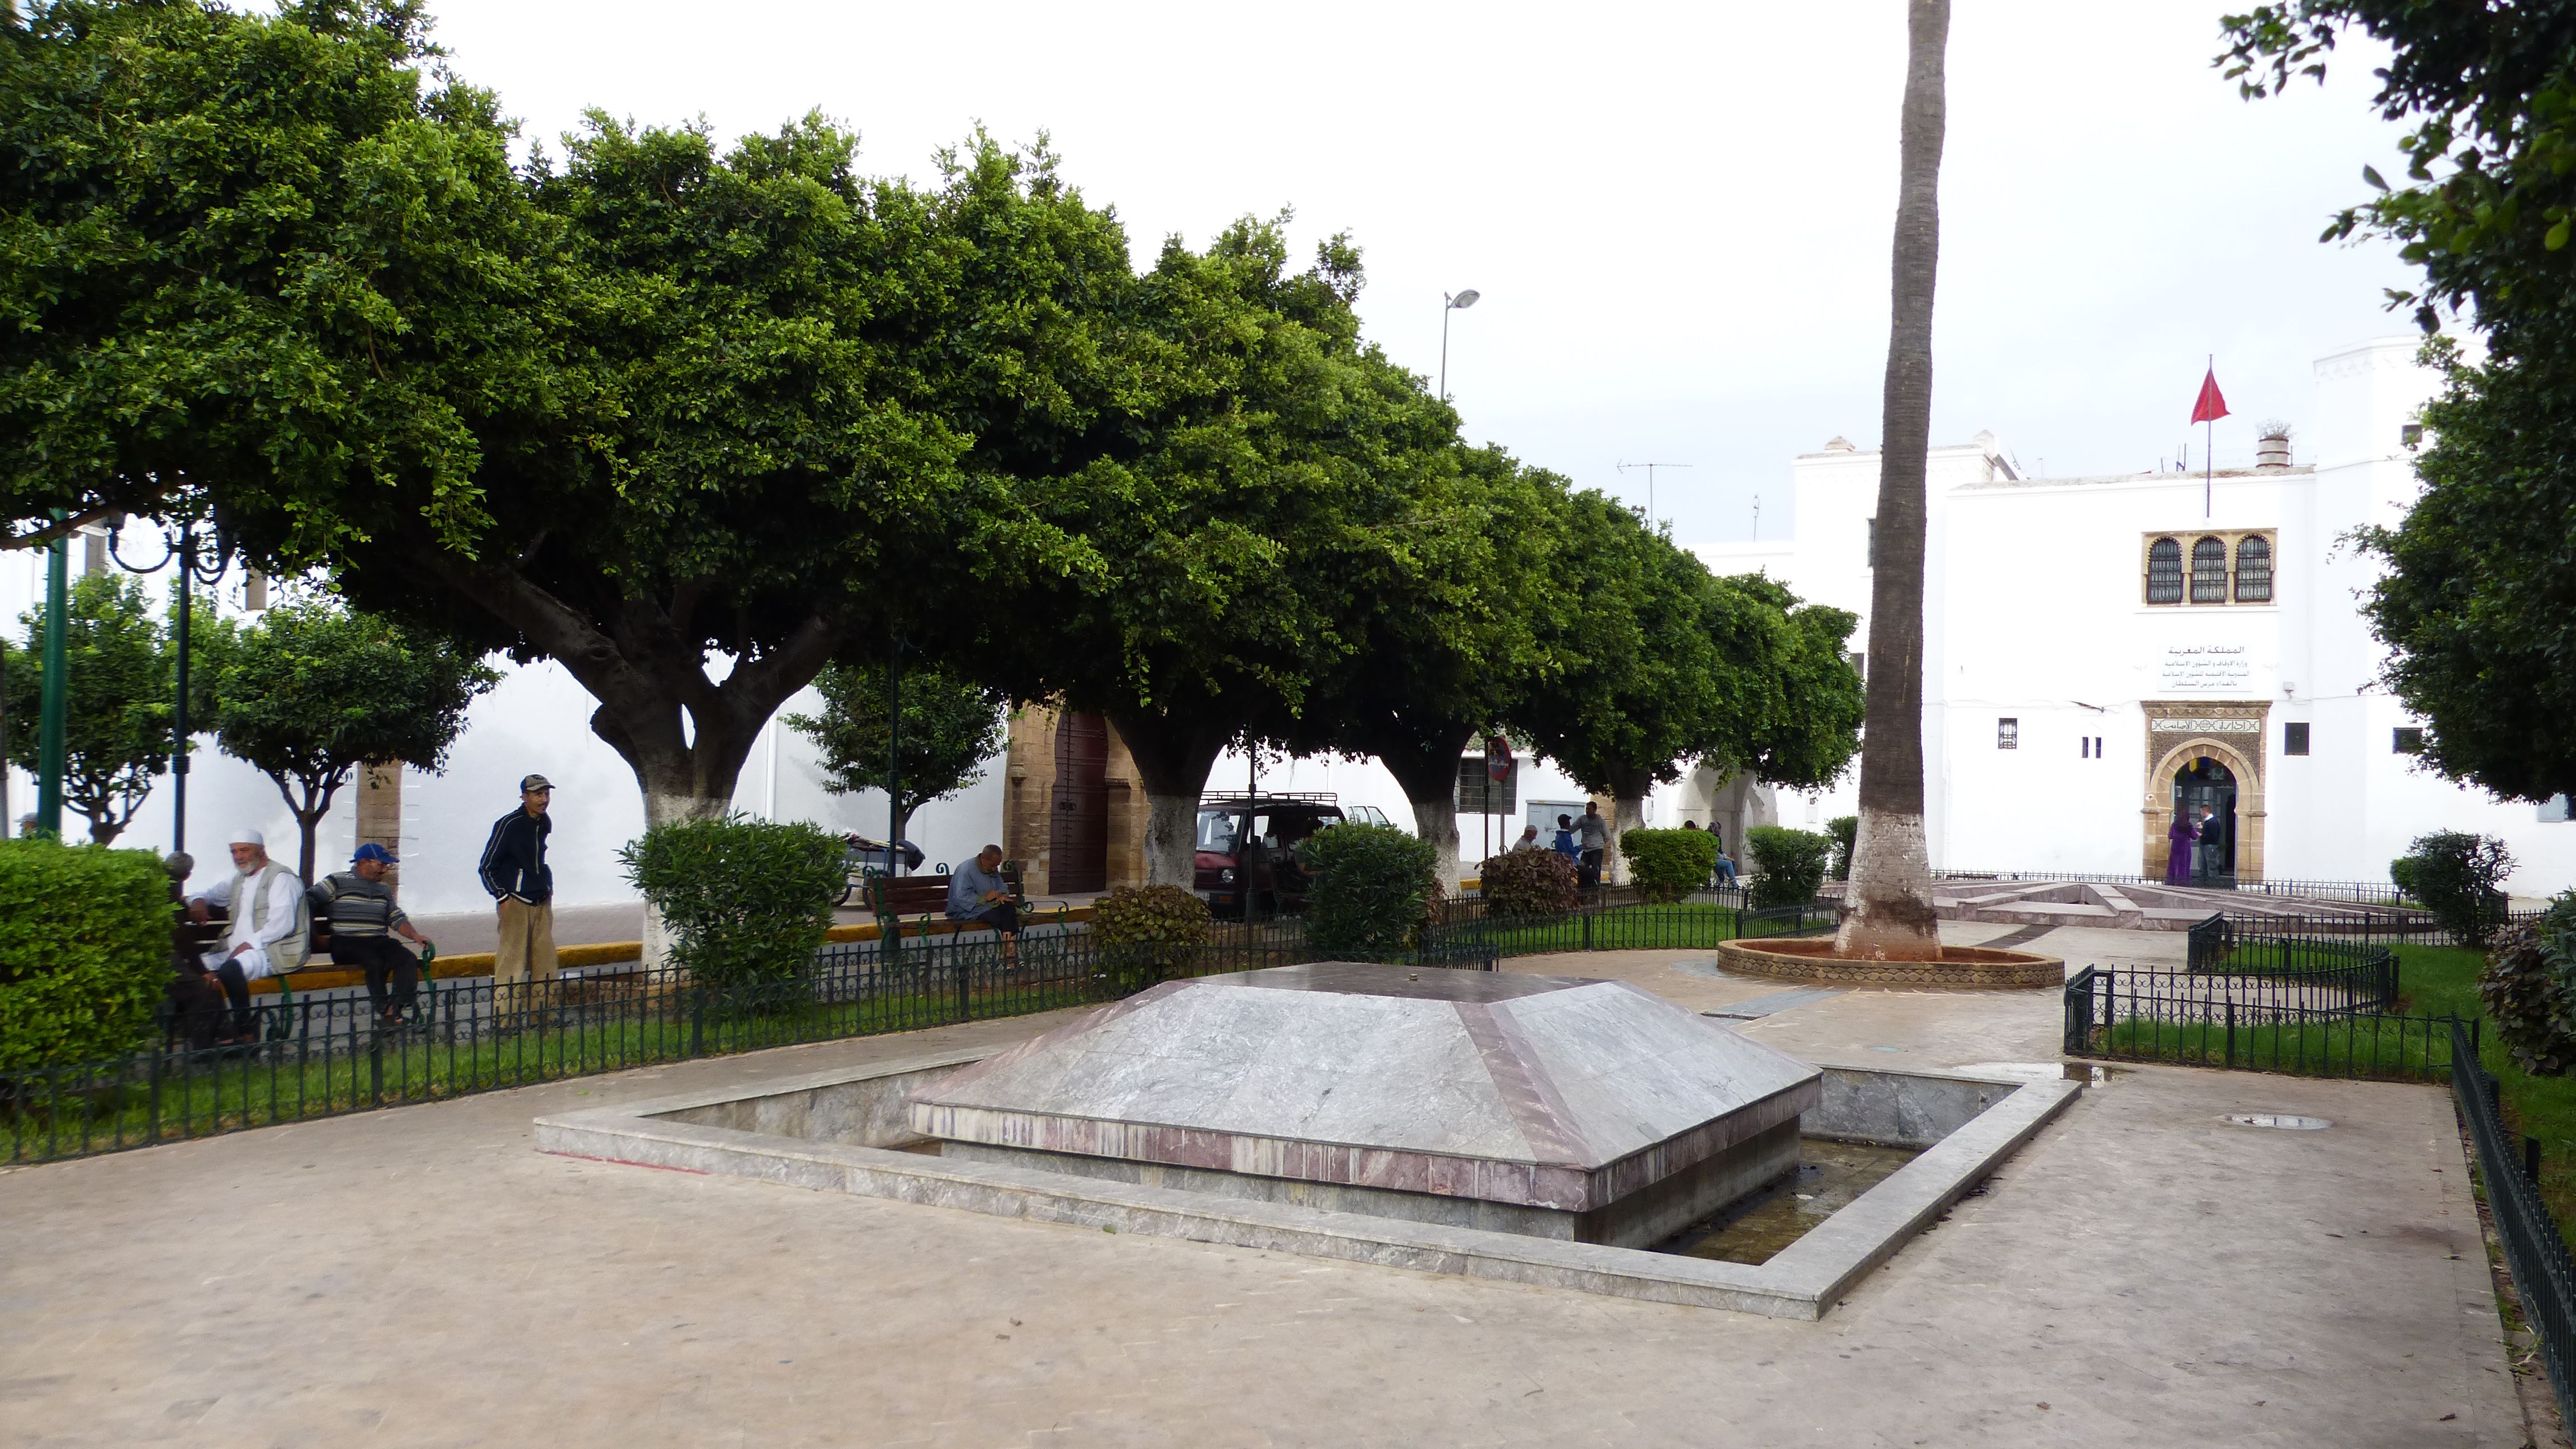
<point>2459,878</point>
<point>745,900</point>
<point>1146,933</point>
<point>1791,864</point>
<point>2529,987</point>
<point>1529,883</point>
<point>2402,872</point>
<point>1845,832</point>
<point>1372,885</point>
<point>1667,865</point>
<point>84,951</point>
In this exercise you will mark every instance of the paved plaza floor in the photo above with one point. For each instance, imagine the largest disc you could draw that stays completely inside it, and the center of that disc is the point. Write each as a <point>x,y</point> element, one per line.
<point>2143,1273</point>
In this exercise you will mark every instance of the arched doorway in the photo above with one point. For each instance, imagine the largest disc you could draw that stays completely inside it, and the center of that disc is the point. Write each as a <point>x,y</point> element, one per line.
<point>2205,783</point>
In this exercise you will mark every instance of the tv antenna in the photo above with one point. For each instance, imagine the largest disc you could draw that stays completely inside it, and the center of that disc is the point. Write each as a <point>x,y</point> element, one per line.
<point>1650,484</point>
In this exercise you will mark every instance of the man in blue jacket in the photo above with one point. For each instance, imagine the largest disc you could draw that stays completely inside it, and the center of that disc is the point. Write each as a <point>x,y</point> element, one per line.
<point>523,888</point>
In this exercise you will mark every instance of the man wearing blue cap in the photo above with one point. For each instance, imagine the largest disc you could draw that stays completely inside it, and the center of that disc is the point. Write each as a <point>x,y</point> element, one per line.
<point>361,910</point>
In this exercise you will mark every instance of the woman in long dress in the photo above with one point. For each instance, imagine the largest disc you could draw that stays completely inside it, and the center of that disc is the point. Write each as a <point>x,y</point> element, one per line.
<point>2183,834</point>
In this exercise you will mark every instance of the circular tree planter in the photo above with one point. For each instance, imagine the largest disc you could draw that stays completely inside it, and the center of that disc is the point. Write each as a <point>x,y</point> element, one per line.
<point>1970,967</point>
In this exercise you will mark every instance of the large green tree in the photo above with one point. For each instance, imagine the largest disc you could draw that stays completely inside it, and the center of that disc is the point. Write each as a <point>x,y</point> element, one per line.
<point>950,727</point>
<point>785,416</point>
<point>257,257</point>
<point>118,714</point>
<point>313,691</point>
<point>1276,460</point>
<point>1449,638</point>
<point>2478,604</point>
<point>1890,915</point>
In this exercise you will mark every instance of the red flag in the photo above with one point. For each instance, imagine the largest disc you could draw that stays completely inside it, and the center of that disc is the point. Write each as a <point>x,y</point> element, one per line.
<point>2211,406</point>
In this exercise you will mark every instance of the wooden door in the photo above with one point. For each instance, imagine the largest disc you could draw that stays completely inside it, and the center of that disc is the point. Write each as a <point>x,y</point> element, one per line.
<point>1078,825</point>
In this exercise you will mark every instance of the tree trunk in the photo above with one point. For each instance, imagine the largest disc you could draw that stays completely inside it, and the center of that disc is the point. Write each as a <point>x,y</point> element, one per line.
<point>1890,915</point>
<point>1172,759</point>
<point>1429,775</point>
<point>665,806</point>
<point>1627,812</point>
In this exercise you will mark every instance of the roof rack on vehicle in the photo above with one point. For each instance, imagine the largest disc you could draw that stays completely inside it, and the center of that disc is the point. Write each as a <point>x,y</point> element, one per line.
<point>1301,797</point>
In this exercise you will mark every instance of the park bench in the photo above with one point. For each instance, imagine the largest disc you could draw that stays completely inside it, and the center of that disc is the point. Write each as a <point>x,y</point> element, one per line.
<point>892,898</point>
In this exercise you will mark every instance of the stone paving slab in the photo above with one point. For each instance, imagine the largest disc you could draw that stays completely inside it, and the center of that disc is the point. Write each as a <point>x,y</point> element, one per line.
<point>2149,1274</point>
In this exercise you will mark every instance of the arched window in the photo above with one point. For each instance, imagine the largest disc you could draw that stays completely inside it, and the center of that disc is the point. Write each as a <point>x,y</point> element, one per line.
<point>2254,569</point>
<point>2209,571</point>
<point>2164,572</point>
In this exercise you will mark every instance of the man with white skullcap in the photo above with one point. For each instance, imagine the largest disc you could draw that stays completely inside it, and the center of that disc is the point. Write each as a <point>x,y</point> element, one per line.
<point>270,931</point>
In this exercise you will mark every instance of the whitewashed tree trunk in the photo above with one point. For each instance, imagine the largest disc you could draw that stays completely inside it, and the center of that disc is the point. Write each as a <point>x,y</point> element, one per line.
<point>1627,812</point>
<point>662,807</point>
<point>1437,822</point>
<point>1171,839</point>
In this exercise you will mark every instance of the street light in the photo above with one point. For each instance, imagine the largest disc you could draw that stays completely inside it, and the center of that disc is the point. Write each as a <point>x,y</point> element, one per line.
<point>180,550</point>
<point>1449,304</point>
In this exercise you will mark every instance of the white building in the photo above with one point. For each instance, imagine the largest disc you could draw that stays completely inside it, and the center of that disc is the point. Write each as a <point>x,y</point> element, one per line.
<point>537,721</point>
<point>2098,649</point>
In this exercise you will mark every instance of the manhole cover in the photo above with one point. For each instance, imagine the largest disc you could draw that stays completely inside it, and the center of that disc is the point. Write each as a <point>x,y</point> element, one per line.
<point>2281,1120</point>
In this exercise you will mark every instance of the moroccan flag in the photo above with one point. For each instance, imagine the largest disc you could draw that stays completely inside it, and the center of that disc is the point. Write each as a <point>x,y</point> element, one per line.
<point>2211,406</point>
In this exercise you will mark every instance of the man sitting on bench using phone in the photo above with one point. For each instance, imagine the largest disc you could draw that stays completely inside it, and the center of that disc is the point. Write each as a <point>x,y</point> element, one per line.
<point>978,893</point>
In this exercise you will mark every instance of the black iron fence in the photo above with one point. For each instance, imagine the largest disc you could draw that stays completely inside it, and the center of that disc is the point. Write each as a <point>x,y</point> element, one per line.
<point>2318,1017</point>
<point>2534,1251</point>
<point>324,1054</point>
<point>1619,922</point>
<point>2383,927</point>
<point>2368,893</point>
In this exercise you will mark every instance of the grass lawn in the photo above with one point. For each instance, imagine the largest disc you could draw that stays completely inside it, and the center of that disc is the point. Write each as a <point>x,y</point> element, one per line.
<point>1686,926</point>
<point>2388,1047</point>
<point>2440,979</point>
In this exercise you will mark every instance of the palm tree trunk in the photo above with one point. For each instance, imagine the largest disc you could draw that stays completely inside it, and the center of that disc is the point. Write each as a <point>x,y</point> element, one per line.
<point>1890,916</point>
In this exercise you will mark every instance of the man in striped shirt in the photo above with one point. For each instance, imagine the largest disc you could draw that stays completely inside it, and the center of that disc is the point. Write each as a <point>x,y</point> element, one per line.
<point>361,910</point>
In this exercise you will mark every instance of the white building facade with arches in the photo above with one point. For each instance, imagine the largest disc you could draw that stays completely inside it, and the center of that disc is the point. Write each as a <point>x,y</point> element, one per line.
<point>2102,651</point>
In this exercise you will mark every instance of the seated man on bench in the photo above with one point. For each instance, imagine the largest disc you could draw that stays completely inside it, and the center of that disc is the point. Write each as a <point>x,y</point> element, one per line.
<point>978,893</point>
<point>269,932</point>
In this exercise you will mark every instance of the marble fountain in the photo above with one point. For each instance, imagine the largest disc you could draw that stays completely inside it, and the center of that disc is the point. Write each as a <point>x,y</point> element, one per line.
<point>1539,1129</point>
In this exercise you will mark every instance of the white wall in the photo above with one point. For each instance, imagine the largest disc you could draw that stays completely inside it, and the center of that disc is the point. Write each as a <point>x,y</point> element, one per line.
<point>2033,611</point>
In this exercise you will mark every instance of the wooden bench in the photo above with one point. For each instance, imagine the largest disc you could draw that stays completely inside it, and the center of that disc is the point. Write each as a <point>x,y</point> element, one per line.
<point>894,898</point>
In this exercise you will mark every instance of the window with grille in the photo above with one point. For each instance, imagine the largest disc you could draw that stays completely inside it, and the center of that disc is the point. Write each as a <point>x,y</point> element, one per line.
<point>2007,734</point>
<point>2254,569</point>
<point>2294,738</point>
<point>2407,740</point>
<point>2209,571</point>
<point>2164,572</point>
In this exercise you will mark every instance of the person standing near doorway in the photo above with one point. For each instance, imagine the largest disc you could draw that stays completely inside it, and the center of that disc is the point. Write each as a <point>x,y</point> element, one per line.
<point>2213,843</point>
<point>523,887</point>
<point>2178,854</point>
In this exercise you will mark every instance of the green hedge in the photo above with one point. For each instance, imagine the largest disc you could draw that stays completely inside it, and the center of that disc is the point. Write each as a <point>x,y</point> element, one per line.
<point>1845,831</point>
<point>1666,865</point>
<point>2529,987</point>
<point>1791,862</point>
<point>84,951</point>
<point>1528,884</point>
<point>2460,878</point>
<point>1371,886</point>
<point>745,900</point>
<point>1146,933</point>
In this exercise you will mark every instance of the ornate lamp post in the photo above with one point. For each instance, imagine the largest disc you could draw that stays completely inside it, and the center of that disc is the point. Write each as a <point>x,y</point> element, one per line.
<point>180,549</point>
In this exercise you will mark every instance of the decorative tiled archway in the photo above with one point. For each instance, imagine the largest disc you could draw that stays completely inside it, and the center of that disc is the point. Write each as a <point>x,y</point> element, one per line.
<point>2169,751</point>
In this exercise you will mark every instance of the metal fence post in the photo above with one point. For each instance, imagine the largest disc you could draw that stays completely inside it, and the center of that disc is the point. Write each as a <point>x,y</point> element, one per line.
<point>2231,1033</point>
<point>1587,929</point>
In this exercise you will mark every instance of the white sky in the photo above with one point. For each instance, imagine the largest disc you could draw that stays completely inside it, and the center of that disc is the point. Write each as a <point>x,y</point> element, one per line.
<point>1678,215</point>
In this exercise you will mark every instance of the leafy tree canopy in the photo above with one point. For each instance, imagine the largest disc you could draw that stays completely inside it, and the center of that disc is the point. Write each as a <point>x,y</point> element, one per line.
<point>313,691</point>
<point>2477,604</point>
<point>268,258</point>
<point>118,715</point>
<point>951,726</point>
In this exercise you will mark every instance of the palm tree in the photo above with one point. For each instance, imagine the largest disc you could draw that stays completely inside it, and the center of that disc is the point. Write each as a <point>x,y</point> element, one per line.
<point>1890,916</point>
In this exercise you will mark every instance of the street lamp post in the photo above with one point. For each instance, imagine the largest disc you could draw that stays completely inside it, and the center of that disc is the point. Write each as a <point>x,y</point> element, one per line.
<point>55,710</point>
<point>181,551</point>
<point>1448,304</point>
